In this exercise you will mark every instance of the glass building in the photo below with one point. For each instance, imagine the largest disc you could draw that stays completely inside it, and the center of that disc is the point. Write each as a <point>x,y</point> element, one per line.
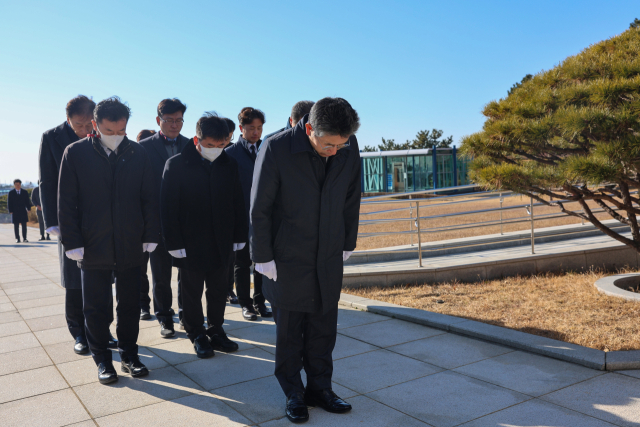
<point>412,170</point>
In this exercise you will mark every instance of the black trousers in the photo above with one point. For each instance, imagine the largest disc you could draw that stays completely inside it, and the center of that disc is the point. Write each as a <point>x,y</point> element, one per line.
<point>145,301</point>
<point>192,284</point>
<point>24,230</point>
<point>40,222</point>
<point>98,311</point>
<point>230,273</point>
<point>304,340</point>
<point>161,274</point>
<point>242,272</point>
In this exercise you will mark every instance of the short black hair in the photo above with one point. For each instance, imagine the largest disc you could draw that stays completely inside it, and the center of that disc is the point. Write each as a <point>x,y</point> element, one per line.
<point>230,124</point>
<point>111,109</point>
<point>334,116</point>
<point>170,106</point>
<point>17,180</point>
<point>212,126</point>
<point>248,115</point>
<point>145,133</point>
<point>80,106</point>
<point>301,109</point>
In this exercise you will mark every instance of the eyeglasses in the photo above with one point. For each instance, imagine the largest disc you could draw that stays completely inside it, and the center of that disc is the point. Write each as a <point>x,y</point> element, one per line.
<point>172,121</point>
<point>337,147</point>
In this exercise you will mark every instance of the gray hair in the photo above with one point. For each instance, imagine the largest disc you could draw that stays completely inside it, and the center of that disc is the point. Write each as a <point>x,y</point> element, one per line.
<point>334,116</point>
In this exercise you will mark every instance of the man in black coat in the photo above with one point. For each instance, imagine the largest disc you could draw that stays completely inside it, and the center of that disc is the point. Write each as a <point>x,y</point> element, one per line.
<point>108,216</point>
<point>244,152</point>
<point>299,110</point>
<point>35,199</point>
<point>232,298</point>
<point>305,203</point>
<point>79,113</point>
<point>18,205</point>
<point>160,147</point>
<point>203,221</point>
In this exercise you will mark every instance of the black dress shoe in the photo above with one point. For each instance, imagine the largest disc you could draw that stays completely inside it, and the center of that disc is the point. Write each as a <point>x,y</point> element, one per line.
<point>232,298</point>
<point>81,346</point>
<point>166,330</point>
<point>113,343</point>
<point>219,341</point>
<point>327,400</point>
<point>263,310</point>
<point>132,365</point>
<point>296,409</point>
<point>172,312</point>
<point>17,240</point>
<point>107,373</point>
<point>41,239</point>
<point>25,240</point>
<point>202,346</point>
<point>144,314</point>
<point>249,313</point>
<point>48,238</point>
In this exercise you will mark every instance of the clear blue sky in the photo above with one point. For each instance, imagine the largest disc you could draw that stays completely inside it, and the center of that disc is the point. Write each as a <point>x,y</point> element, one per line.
<point>403,65</point>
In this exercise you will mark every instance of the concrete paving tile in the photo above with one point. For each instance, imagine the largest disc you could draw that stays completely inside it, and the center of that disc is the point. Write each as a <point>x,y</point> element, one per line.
<point>151,336</point>
<point>18,342</point>
<point>84,371</point>
<point>20,280</point>
<point>4,299</point>
<point>632,373</point>
<point>63,353</point>
<point>450,350</point>
<point>49,310</point>
<point>181,351</point>
<point>447,399</point>
<point>197,410</point>
<point>49,322</point>
<point>129,393</point>
<point>54,336</point>
<point>262,334</point>
<point>611,397</point>
<point>23,360</point>
<point>528,373</point>
<point>37,289</point>
<point>7,307</point>
<point>14,328</point>
<point>232,368</point>
<point>348,318</point>
<point>391,332</point>
<point>9,317</point>
<point>377,369</point>
<point>235,321</point>
<point>347,347</point>
<point>88,423</point>
<point>30,383</point>
<point>365,412</point>
<point>536,413</point>
<point>39,302</point>
<point>51,292</point>
<point>59,408</point>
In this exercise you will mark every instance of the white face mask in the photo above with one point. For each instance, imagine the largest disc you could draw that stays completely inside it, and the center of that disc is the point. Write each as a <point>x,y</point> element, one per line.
<point>210,153</point>
<point>111,141</point>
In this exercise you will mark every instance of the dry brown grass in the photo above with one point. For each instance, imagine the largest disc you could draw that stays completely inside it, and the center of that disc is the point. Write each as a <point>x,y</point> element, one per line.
<point>475,204</point>
<point>565,307</point>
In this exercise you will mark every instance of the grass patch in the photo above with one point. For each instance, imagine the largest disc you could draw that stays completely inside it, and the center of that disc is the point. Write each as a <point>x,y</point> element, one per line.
<point>565,307</point>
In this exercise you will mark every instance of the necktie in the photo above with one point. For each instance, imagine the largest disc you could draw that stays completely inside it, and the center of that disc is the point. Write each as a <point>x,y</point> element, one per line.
<point>113,159</point>
<point>252,151</point>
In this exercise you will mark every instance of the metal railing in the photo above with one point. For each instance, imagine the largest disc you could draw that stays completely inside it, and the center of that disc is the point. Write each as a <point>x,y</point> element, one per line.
<point>431,199</point>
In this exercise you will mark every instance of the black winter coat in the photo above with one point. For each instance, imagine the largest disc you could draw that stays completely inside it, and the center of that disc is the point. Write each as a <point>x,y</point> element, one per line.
<point>18,205</point>
<point>108,213</point>
<point>288,126</point>
<point>35,197</point>
<point>202,209</point>
<point>240,152</point>
<point>159,156</point>
<point>304,214</point>
<point>54,141</point>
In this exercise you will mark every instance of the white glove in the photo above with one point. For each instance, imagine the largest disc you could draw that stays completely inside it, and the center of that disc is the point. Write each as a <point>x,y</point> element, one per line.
<point>149,247</point>
<point>75,254</point>
<point>268,269</point>
<point>54,231</point>
<point>346,255</point>
<point>180,253</point>
<point>238,246</point>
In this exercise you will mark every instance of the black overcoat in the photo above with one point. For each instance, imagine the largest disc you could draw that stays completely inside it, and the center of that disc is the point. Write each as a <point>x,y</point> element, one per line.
<point>240,153</point>
<point>158,154</point>
<point>52,146</point>
<point>202,209</point>
<point>108,213</point>
<point>35,197</point>
<point>18,205</point>
<point>304,214</point>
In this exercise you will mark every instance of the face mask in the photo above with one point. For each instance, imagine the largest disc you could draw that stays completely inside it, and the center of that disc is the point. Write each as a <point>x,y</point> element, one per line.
<point>111,141</point>
<point>210,153</point>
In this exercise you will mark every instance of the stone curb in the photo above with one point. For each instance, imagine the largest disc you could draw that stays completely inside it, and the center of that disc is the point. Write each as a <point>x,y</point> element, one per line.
<point>607,285</point>
<point>591,358</point>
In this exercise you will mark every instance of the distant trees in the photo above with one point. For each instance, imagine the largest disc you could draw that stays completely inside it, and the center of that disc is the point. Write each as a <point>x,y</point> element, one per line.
<point>423,139</point>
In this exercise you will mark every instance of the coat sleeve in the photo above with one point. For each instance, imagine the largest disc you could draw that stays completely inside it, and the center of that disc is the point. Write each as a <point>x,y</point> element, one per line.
<point>170,207</point>
<point>352,204</point>
<point>49,174</point>
<point>241,229</point>
<point>27,201</point>
<point>149,203</point>
<point>68,198</point>
<point>266,183</point>
<point>10,202</point>
<point>35,199</point>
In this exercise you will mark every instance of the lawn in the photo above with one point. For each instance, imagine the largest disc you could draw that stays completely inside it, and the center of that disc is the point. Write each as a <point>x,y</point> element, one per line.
<point>565,307</point>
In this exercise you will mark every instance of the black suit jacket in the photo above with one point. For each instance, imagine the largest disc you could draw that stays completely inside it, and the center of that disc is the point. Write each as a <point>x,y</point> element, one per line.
<point>52,146</point>
<point>18,205</point>
<point>154,145</point>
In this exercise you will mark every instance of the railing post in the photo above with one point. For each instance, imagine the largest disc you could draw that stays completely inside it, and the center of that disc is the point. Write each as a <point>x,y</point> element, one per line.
<point>419,238</point>
<point>500,213</point>
<point>533,238</point>
<point>411,222</point>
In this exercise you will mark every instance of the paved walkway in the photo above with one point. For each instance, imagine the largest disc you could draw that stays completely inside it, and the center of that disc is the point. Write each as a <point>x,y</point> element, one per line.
<point>394,373</point>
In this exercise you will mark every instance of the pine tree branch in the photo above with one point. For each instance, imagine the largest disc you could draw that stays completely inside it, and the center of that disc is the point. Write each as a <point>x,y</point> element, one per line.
<point>615,215</point>
<point>633,221</point>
